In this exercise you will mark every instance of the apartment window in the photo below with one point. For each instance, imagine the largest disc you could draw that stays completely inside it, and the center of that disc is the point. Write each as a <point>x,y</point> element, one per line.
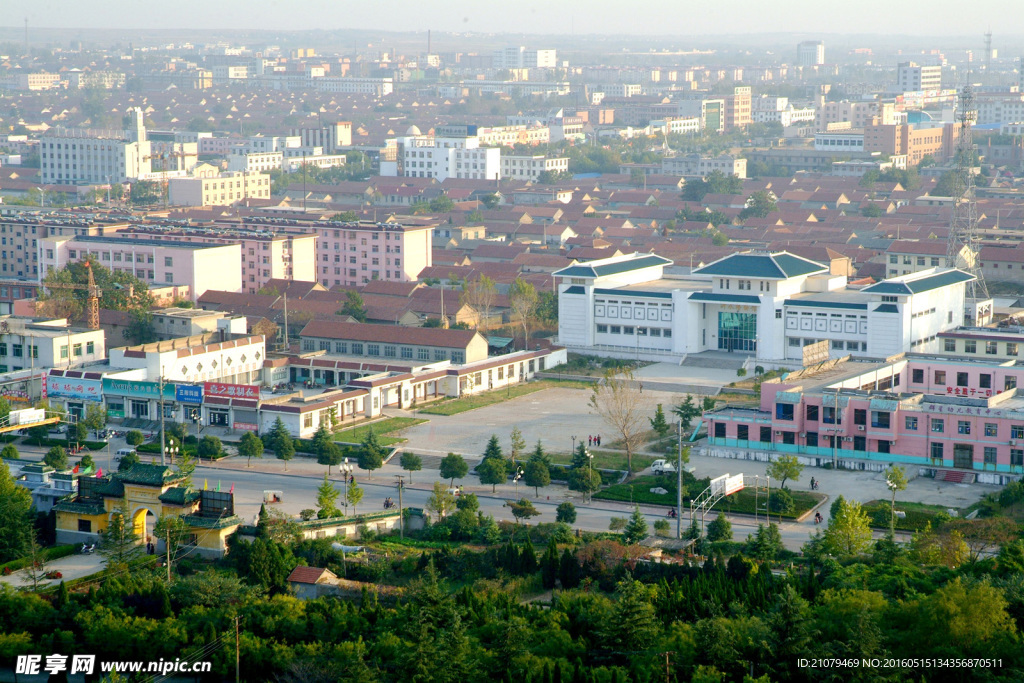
<point>811,413</point>
<point>90,348</point>
<point>894,259</point>
<point>439,354</point>
<point>341,347</point>
<point>970,346</point>
<point>940,376</point>
<point>828,415</point>
<point>602,328</point>
<point>460,357</point>
<point>860,416</point>
<point>1017,457</point>
<point>390,351</point>
<point>616,329</point>
<point>990,455</point>
<point>917,376</point>
<point>949,345</point>
<point>910,423</point>
<point>991,348</point>
<point>64,351</point>
<point>883,446</point>
<point>1011,349</point>
<point>407,352</point>
<point>991,429</point>
<point>784,411</point>
<point>17,350</point>
<point>373,349</point>
<point>357,348</point>
<point>963,427</point>
<point>168,261</point>
<point>307,420</point>
<point>880,419</point>
<point>1009,382</point>
<point>938,425</point>
<point>423,354</point>
<point>1017,432</point>
<point>961,379</point>
<point>937,449</point>
<point>985,381</point>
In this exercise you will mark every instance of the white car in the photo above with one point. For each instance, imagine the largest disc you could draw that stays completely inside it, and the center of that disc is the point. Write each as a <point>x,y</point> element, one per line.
<point>663,466</point>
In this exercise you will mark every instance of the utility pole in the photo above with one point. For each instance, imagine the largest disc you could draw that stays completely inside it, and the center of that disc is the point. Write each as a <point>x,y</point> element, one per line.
<point>236,649</point>
<point>163,444</point>
<point>167,549</point>
<point>679,488</point>
<point>401,507</point>
<point>286,346</point>
<point>667,670</point>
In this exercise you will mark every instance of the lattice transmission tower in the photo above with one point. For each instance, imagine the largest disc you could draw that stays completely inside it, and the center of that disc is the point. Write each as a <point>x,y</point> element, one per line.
<point>963,248</point>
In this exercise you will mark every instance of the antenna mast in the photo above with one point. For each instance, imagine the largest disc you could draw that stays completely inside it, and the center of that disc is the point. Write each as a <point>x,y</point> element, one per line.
<point>963,247</point>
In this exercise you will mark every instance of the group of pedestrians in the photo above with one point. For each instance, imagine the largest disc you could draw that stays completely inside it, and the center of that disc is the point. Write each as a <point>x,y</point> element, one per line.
<point>594,440</point>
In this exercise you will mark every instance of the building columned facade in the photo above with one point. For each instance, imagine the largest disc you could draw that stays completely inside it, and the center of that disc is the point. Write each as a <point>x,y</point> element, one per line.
<point>767,305</point>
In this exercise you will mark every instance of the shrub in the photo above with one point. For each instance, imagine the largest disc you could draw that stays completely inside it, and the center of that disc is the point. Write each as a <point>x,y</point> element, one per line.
<point>662,528</point>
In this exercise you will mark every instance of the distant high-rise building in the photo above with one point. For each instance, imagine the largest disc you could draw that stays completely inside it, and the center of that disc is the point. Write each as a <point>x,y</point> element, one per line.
<point>70,157</point>
<point>911,77</point>
<point>520,57</point>
<point>810,53</point>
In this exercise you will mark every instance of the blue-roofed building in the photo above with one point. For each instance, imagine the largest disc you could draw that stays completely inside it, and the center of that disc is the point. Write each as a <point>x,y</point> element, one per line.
<point>768,305</point>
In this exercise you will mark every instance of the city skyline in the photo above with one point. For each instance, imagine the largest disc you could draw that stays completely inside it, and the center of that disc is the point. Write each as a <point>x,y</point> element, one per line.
<point>600,17</point>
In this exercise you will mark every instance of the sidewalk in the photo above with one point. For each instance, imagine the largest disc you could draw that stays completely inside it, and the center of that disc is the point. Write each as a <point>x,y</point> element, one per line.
<point>74,566</point>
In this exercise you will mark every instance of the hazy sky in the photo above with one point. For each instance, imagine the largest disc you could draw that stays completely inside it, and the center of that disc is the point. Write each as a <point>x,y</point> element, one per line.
<point>661,17</point>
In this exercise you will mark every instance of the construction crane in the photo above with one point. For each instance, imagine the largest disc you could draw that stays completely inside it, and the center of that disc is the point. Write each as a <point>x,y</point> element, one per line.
<point>165,157</point>
<point>92,302</point>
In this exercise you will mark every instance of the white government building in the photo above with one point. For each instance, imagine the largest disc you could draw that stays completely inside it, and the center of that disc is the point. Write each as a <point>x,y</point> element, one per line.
<point>766,305</point>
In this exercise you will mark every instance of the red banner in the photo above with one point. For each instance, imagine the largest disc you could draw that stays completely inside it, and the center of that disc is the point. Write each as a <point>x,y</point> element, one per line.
<point>231,390</point>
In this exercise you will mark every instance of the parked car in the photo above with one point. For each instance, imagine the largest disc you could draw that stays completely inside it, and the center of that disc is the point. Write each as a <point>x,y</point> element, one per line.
<point>663,466</point>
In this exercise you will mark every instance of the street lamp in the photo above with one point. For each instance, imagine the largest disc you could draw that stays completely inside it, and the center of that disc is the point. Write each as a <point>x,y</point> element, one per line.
<point>573,445</point>
<point>346,471</point>
<point>170,451</point>
<point>517,477</point>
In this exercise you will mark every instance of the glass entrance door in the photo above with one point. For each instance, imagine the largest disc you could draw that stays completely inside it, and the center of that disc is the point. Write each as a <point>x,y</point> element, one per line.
<point>737,331</point>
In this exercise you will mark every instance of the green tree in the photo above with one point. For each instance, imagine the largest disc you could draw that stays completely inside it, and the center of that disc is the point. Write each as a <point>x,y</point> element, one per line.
<point>871,210</point>
<point>522,509</point>
<point>354,494</point>
<point>284,449</point>
<point>411,462</point>
<point>481,295</point>
<point>849,530</point>
<point>636,528</point>
<point>715,182</point>
<point>10,452</point>
<point>522,302</point>
<point>492,471</point>
<point>758,205</point>
<point>719,529</point>
<point>617,523</point>
<point>173,531</point>
<point>371,453</point>
<point>321,438</point>
<point>633,623</point>
<point>120,541</point>
<point>453,466</point>
<point>277,433</point>
<point>946,186</point>
<point>354,306</point>
<point>518,444</point>
<point>493,448</point>
<point>565,513</point>
<point>686,411</point>
<point>120,290</point>
<point>536,474</point>
<point>327,499</point>
<point>440,500</point>
<point>767,542</point>
<point>250,446</point>
<point>134,437</point>
<point>210,447</point>
<point>140,329</point>
<point>895,481</point>
<point>57,458</point>
<point>16,517</point>
<point>331,455</point>
<point>95,417</point>
<point>86,463</point>
<point>785,467</point>
<point>128,461</point>
<point>658,422</point>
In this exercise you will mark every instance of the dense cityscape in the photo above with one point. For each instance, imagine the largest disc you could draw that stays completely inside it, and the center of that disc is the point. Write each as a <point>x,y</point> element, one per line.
<point>332,353</point>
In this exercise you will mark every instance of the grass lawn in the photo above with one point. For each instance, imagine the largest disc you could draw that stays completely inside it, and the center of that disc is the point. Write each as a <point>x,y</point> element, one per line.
<point>455,406</point>
<point>607,460</point>
<point>381,428</point>
<point>743,502</point>
<point>918,515</point>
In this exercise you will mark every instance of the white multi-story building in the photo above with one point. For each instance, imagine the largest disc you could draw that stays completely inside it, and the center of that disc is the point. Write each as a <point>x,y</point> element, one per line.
<point>357,86</point>
<point>911,77</point>
<point>27,343</point>
<point>519,57</point>
<point>526,167</point>
<point>810,53</point>
<point>107,80</point>
<point>332,136</point>
<point>427,156</point>
<point>765,305</point>
<point>697,166</point>
<point>840,141</point>
<point>225,189</point>
<point>1005,109</point>
<point>82,157</point>
<point>254,162</point>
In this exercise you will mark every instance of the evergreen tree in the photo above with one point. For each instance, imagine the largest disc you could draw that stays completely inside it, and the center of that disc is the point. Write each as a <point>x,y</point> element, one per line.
<point>687,411</point>
<point>636,528</point>
<point>549,564</point>
<point>321,440</point>
<point>493,449</point>
<point>278,433</point>
<point>411,462</point>
<point>57,458</point>
<point>565,513</point>
<point>16,519</point>
<point>568,570</point>
<point>250,446</point>
<point>767,542</point>
<point>719,529</point>
<point>528,558</point>
<point>492,471</point>
<point>326,500</point>
<point>658,422</point>
<point>284,447</point>
<point>354,495</point>
<point>371,453</point>
<point>330,455</point>
<point>120,541</point>
<point>518,444</point>
<point>536,475</point>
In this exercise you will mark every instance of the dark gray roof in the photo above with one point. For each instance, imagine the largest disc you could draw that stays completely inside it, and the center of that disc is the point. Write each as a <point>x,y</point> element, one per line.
<point>776,266</point>
<point>725,298</point>
<point>887,308</point>
<point>924,284</point>
<point>623,266</point>
<point>575,289</point>
<point>825,304</point>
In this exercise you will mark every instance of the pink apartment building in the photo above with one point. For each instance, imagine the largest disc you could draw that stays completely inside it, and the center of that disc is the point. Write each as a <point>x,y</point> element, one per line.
<point>265,255</point>
<point>959,420</point>
<point>158,262</point>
